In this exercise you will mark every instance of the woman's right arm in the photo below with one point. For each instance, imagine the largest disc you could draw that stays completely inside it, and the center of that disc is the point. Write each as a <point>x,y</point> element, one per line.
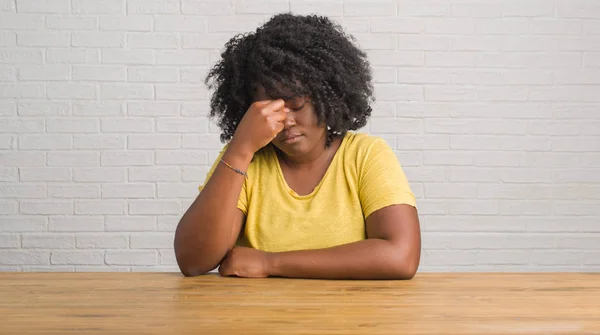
<point>211,225</point>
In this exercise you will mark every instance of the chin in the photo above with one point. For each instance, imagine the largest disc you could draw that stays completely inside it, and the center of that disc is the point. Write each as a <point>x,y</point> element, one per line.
<point>297,148</point>
<point>290,151</point>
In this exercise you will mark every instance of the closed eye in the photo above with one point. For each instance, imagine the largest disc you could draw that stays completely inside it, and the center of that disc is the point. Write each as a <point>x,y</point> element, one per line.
<point>297,109</point>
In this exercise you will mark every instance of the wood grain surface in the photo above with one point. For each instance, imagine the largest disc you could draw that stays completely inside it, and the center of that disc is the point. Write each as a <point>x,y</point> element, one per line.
<point>167,303</point>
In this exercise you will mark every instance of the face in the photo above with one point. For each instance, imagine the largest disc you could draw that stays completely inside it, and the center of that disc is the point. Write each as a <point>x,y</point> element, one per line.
<point>302,132</point>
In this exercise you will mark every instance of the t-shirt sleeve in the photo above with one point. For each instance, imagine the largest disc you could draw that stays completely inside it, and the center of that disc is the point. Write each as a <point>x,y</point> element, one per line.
<point>243,199</point>
<point>382,181</point>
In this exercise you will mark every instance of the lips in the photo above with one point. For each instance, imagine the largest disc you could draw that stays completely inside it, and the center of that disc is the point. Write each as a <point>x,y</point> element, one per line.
<point>290,137</point>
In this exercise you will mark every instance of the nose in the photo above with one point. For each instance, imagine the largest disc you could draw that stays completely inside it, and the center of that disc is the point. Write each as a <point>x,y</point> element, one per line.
<point>289,121</point>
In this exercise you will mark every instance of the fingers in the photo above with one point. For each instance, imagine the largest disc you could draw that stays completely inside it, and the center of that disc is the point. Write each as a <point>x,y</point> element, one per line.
<point>225,270</point>
<point>279,127</point>
<point>280,115</point>
<point>225,266</point>
<point>274,105</point>
<point>277,116</point>
<point>261,103</point>
<point>275,113</point>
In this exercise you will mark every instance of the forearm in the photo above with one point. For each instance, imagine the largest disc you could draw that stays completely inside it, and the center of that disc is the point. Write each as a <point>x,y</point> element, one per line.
<point>204,232</point>
<point>367,259</point>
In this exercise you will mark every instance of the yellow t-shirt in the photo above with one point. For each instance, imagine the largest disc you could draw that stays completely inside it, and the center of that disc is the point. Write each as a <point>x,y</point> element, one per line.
<point>364,176</point>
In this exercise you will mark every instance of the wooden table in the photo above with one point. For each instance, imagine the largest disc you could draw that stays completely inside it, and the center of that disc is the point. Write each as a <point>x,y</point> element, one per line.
<point>167,303</point>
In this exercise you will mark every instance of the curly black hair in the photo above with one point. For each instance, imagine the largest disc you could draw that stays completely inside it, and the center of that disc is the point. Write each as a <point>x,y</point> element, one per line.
<point>308,55</point>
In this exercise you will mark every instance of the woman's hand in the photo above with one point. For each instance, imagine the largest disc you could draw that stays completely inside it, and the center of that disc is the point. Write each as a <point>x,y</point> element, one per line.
<point>259,126</point>
<point>245,262</point>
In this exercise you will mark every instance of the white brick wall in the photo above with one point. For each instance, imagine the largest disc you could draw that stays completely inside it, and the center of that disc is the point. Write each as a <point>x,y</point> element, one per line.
<point>493,108</point>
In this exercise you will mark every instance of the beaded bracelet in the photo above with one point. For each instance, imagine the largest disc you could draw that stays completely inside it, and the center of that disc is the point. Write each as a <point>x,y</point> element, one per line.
<point>234,169</point>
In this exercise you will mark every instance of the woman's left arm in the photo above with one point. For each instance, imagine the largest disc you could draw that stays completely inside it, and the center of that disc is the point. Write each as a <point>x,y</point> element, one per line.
<point>392,250</point>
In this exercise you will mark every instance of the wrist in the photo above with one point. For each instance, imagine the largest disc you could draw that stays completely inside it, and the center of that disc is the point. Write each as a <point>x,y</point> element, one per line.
<point>272,264</point>
<point>239,151</point>
<point>237,158</point>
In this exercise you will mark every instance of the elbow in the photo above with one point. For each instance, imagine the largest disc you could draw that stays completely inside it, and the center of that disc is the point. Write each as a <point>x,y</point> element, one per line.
<point>193,269</point>
<point>407,272</point>
<point>406,266</point>
<point>192,264</point>
<point>192,259</point>
<point>402,271</point>
<point>189,272</point>
<point>197,261</point>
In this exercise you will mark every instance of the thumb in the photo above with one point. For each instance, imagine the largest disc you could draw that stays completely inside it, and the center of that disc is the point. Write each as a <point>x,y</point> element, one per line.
<point>262,103</point>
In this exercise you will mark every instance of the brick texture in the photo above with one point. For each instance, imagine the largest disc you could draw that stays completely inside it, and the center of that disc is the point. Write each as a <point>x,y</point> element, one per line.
<point>491,107</point>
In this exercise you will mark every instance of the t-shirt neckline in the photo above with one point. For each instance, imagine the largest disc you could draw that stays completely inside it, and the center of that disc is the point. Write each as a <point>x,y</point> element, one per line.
<point>321,182</point>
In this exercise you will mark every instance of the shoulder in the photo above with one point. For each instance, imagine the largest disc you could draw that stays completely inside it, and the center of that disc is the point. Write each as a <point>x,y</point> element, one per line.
<point>361,145</point>
<point>371,155</point>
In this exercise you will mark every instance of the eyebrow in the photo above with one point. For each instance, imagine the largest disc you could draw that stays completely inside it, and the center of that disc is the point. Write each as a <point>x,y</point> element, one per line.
<point>289,97</point>
<point>304,101</point>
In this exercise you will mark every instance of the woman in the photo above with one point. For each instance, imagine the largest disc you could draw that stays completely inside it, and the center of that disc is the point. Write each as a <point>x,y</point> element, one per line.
<point>296,193</point>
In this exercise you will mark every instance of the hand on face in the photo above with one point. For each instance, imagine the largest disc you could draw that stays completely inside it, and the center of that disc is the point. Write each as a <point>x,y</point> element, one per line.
<point>260,125</point>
